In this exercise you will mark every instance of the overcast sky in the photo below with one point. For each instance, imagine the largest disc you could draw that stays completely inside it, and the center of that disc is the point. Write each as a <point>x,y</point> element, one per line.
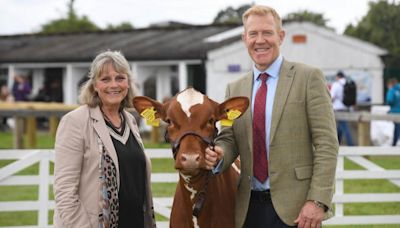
<point>26,16</point>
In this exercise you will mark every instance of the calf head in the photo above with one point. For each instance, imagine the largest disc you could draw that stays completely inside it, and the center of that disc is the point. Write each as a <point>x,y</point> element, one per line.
<point>191,117</point>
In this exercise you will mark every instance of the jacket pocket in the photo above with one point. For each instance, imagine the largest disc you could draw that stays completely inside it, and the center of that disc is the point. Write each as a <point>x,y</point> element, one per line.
<point>304,172</point>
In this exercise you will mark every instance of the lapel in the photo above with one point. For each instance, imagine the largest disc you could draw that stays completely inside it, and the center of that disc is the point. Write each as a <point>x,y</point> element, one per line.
<point>286,77</point>
<point>247,89</point>
<point>134,128</point>
<point>100,127</point>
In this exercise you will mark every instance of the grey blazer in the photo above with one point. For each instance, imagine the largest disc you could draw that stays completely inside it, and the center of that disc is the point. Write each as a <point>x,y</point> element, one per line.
<point>303,142</point>
<point>76,168</point>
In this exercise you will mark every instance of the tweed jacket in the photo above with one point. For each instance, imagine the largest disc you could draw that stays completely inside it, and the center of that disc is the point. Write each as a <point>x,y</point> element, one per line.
<point>76,168</point>
<point>303,142</point>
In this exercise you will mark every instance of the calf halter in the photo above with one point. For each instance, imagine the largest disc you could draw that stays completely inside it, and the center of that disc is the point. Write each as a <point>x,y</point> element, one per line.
<point>176,144</point>
<point>198,205</point>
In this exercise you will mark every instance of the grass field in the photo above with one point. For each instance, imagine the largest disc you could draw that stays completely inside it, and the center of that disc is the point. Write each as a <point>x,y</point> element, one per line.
<point>22,193</point>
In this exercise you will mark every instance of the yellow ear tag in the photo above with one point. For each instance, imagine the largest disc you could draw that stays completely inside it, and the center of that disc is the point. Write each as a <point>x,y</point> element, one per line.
<point>149,114</point>
<point>232,115</point>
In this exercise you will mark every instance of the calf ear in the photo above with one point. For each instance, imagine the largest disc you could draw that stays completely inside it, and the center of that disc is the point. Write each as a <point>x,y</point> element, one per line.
<point>148,108</point>
<point>231,109</point>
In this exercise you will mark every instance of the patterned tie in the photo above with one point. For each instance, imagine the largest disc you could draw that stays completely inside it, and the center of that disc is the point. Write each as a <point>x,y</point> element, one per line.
<point>260,162</point>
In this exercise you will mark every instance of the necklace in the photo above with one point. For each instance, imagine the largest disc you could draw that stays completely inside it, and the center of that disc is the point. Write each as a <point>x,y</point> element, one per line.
<point>111,123</point>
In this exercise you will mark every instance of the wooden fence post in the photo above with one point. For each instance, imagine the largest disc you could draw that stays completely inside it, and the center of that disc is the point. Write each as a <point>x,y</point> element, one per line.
<point>18,134</point>
<point>364,133</point>
<point>155,134</point>
<point>53,124</point>
<point>31,132</point>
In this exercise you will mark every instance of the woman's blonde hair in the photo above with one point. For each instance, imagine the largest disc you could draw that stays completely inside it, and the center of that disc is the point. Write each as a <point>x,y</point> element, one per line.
<point>100,64</point>
<point>261,10</point>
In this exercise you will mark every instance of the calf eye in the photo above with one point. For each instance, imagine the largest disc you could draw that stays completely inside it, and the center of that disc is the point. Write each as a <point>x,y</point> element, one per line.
<point>172,124</point>
<point>211,121</point>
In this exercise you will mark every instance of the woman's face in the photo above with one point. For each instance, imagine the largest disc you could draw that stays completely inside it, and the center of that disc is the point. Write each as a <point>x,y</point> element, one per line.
<point>112,87</point>
<point>4,91</point>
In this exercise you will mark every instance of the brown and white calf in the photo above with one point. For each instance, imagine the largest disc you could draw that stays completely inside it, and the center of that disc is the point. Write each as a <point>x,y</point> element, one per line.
<point>202,200</point>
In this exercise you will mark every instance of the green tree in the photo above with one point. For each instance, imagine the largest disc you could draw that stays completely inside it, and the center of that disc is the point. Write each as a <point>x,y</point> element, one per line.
<point>305,15</point>
<point>73,23</point>
<point>380,26</point>
<point>121,27</point>
<point>231,15</point>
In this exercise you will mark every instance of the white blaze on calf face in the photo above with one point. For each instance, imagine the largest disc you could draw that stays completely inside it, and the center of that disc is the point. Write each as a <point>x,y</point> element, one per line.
<point>189,98</point>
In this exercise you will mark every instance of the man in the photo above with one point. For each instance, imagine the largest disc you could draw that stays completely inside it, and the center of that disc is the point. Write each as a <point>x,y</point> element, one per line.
<point>295,132</point>
<point>337,94</point>
<point>393,99</point>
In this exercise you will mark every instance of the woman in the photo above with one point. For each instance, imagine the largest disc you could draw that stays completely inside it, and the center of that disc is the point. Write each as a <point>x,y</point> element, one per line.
<point>102,176</point>
<point>5,96</point>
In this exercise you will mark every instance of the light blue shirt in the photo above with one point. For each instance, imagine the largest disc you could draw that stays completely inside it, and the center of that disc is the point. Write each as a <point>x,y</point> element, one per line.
<point>272,83</point>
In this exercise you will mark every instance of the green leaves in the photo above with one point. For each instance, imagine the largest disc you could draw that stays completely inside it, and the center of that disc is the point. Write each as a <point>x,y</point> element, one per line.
<point>381,26</point>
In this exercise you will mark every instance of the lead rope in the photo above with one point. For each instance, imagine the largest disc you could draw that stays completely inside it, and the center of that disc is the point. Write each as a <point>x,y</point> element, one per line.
<point>198,205</point>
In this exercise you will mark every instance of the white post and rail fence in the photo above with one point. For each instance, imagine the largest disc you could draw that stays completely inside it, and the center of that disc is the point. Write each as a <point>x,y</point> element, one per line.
<point>26,158</point>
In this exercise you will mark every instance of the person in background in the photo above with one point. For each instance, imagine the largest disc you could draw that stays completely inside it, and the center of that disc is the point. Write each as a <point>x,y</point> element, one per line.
<point>101,173</point>
<point>5,96</point>
<point>286,141</point>
<point>21,88</point>
<point>337,94</point>
<point>393,100</point>
<point>50,92</point>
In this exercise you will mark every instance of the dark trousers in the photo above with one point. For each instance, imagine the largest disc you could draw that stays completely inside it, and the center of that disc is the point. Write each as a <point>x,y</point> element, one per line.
<point>261,213</point>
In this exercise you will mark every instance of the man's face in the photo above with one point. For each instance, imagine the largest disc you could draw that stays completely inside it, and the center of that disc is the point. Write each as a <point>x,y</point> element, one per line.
<point>262,39</point>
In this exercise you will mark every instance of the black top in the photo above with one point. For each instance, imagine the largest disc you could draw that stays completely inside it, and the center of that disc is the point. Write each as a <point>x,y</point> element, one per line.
<point>132,170</point>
